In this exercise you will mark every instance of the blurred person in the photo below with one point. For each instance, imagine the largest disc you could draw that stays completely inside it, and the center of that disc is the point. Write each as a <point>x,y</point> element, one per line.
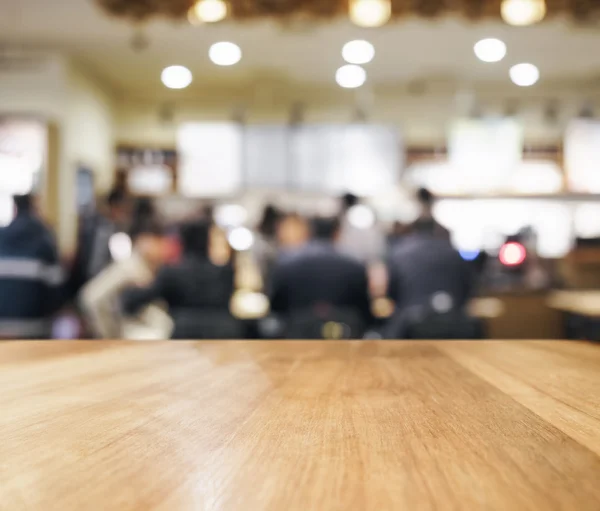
<point>100,297</point>
<point>293,232</point>
<point>426,223</point>
<point>31,278</point>
<point>365,244</point>
<point>319,280</point>
<point>426,277</point>
<point>196,291</point>
<point>93,252</point>
<point>265,248</point>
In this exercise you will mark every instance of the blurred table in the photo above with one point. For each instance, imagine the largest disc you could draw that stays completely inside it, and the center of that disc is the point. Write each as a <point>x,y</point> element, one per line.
<point>299,425</point>
<point>581,303</point>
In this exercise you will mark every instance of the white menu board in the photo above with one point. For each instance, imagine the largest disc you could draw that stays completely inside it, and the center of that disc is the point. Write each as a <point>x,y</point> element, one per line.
<point>362,159</point>
<point>210,159</point>
<point>266,156</point>
<point>484,153</point>
<point>582,155</point>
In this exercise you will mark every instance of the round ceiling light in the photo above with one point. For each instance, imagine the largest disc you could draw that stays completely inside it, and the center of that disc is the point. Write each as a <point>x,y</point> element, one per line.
<point>225,54</point>
<point>524,75</point>
<point>176,77</point>
<point>490,50</point>
<point>370,13</point>
<point>358,52</point>
<point>350,76</point>
<point>207,11</point>
<point>523,12</point>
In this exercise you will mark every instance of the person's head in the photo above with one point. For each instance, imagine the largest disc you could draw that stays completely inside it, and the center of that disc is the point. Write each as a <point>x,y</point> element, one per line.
<point>293,231</point>
<point>325,229</point>
<point>148,241</point>
<point>425,198</point>
<point>270,219</point>
<point>24,204</point>
<point>349,200</point>
<point>143,210</point>
<point>118,205</point>
<point>195,238</point>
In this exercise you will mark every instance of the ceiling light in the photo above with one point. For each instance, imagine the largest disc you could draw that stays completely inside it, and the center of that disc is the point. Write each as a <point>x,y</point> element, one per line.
<point>358,52</point>
<point>524,75</point>
<point>523,12</point>
<point>370,13</point>
<point>207,11</point>
<point>490,50</point>
<point>225,54</point>
<point>176,77</point>
<point>350,76</point>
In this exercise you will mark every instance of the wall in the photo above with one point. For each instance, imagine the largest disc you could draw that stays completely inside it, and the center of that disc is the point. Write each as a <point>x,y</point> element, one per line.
<point>50,87</point>
<point>422,117</point>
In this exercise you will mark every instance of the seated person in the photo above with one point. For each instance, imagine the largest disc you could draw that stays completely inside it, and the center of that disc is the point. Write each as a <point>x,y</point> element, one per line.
<point>320,283</point>
<point>426,275</point>
<point>197,292</point>
<point>100,297</point>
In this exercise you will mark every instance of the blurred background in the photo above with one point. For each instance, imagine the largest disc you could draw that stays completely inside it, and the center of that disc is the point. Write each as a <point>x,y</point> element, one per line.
<point>471,125</point>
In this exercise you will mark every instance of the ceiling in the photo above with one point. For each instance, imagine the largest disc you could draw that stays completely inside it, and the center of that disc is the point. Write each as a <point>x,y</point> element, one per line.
<point>308,55</point>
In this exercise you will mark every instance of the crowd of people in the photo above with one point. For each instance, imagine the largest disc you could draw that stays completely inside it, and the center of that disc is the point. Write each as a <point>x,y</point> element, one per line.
<point>320,275</point>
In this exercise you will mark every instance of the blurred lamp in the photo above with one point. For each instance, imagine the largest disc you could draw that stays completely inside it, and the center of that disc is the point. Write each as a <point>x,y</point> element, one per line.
<point>358,52</point>
<point>524,75</point>
<point>370,13</point>
<point>176,77</point>
<point>351,76</point>
<point>225,54</point>
<point>361,216</point>
<point>523,12</point>
<point>469,255</point>
<point>512,254</point>
<point>241,239</point>
<point>490,50</point>
<point>120,246</point>
<point>207,11</point>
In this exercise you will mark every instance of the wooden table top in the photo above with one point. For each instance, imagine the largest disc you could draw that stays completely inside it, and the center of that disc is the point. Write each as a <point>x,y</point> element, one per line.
<point>302,426</point>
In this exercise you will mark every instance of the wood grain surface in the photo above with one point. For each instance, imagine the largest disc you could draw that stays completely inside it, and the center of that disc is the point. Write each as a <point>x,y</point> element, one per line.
<point>300,426</point>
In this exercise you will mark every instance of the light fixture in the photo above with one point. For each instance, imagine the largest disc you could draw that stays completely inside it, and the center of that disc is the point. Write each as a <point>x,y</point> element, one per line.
<point>207,11</point>
<point>512,254</point>
<point>350,76</point>
<point>370,13</point>
<point>490,50</point>
<point>361,217</point>
<point>240,239</point>
<point>176,77</point>
<point>523,12</point>
<point>225,54</point>
<point>120,246</point>
<point>358,52</point>
<point>524,75</point>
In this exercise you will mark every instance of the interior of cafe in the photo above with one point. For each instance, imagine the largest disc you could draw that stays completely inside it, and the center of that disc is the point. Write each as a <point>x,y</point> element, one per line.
<point>493,106</point>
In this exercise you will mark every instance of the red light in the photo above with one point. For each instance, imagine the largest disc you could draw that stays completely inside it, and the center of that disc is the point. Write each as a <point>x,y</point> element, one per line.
<point>512,254</point>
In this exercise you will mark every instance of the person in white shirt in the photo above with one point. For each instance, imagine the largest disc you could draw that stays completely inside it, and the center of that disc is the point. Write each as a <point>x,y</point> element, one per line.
<point>100,298</point>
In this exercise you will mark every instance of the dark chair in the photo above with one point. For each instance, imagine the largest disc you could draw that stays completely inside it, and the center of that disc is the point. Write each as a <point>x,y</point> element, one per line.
<point>206,324</point>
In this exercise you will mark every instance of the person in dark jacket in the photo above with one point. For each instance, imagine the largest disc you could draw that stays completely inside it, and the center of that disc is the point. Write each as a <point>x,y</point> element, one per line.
<point>319,281</point>
<point>426,276</point>
<point>196,291</point>
<point>31,278</point>
<point>426,223</point>
<point>93,252</point>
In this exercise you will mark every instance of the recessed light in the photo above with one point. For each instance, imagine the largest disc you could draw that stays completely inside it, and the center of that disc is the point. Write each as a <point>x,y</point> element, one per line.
<point>490,50</point>
<point>350,76</point>
<point>225,54</point>
<point>176,77</point>
<point>524,75</point>
<point>358,52</point>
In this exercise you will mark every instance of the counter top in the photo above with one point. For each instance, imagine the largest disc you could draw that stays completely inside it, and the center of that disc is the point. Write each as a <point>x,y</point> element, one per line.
<point>174,426</point>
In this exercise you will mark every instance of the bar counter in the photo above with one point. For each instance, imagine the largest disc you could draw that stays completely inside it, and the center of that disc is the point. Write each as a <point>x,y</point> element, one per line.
<point>366,425</point>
